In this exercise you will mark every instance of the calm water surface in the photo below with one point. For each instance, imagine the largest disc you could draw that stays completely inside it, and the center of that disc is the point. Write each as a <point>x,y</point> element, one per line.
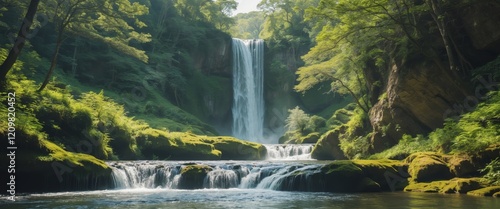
<point>245,198</point>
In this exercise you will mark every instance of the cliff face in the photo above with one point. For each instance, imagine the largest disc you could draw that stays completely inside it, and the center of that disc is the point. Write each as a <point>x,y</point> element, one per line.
<point>209,95</point>
<point>418,97</point>
<point>415,102</point>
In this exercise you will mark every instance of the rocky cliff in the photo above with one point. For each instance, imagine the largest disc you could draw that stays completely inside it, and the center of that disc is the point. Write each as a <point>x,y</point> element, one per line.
<point>417,97</point>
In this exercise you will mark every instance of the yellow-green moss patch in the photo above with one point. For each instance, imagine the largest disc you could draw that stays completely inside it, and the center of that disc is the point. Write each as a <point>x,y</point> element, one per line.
<point>427,167</point>
<point>456,185</point>
<point>488,191</point>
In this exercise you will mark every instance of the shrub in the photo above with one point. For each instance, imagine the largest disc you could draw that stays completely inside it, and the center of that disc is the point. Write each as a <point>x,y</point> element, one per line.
<point>492,171</point>
<point>297,120</point>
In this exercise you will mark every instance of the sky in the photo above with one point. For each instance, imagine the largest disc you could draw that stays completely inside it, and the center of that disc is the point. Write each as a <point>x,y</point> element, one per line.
<point>245,6</point>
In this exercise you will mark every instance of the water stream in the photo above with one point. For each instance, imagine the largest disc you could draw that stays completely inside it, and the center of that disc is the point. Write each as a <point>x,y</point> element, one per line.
<point>234,184</point>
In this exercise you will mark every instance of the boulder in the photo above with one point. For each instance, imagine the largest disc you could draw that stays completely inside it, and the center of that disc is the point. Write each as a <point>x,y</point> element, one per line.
<point>327,147</point>
<point>488,191</point>
<point>456,185</point>
<point>427,167</point>
<point>235,149</point>
<point>463,166</point>
<point>416,99</point>
<point>193,176</point>
<point>345,176</point>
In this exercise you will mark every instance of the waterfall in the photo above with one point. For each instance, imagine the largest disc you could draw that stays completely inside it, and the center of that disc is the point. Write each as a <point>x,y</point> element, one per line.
<point>289,151</point>
<point>248,82</point>
<point>250,175</point>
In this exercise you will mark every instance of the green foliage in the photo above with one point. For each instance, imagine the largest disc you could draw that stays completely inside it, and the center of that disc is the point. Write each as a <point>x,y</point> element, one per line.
<point>106,21</point>
<point>297,120</point>
<point>316,123</point>
<point>248,25</point>
<point>492,172</point>
<point>479,128</point>
<point>405,147</point>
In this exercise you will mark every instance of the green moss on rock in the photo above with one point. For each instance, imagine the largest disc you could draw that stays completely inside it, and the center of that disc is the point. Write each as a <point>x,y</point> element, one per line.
<point>192,176</point>
<point>235,149</point>
<point>381,171</point>
<point>488,191</point>
<point>187,146</point>
<point>456,185</point>
<point>175,146</point>
<point>346,176</point>
<point>427,167</point>
<point>328,146</point>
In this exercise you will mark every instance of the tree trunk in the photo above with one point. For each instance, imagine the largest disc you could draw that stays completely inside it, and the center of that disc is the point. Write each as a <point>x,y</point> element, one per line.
<point>440,20</point>
<point>53,63</point>
<point>20,40</point>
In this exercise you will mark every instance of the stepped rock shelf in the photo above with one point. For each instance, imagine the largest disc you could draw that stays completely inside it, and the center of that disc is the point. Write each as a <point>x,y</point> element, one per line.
<point>287,168</point>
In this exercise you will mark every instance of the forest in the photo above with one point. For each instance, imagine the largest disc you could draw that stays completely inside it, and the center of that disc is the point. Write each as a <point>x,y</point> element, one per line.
<point>387,95</point>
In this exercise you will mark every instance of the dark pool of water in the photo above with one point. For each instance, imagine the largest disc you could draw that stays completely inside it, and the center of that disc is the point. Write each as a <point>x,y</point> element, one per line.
<point>245,198</point>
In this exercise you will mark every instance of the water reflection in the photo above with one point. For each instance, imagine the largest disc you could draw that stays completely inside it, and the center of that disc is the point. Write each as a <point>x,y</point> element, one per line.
<point>246,198</point>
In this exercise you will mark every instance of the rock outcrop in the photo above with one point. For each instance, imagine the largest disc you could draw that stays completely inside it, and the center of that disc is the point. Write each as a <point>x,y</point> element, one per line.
<point>417,96</point>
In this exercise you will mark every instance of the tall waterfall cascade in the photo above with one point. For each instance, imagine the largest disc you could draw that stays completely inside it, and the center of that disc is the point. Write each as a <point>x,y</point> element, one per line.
<point>248,84</point>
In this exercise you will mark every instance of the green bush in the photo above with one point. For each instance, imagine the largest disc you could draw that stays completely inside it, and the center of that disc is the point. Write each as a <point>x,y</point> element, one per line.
<point>406,146</point>
<point>492,172</point>
<point>297,120</point>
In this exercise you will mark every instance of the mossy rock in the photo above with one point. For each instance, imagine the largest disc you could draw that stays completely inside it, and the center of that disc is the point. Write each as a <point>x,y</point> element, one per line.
<point>497,194</point>
<point>427,167</point>
<point>58,170</point>
<point>235,149</point>
<point>310,138</point>
<point>456,185</point>
<point>193,176</point>
<point>175,146</point>
<point>327,147</point>
<point>345,176</point>
<point>488,191</point>
<point>432,187</point>
<point>462,186</point>
<point>187,146</point>
<point>389,174</point>
<point>463,166</point>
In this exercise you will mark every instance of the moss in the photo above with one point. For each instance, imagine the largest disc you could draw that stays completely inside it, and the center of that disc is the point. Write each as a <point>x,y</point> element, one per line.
<point>428,166</point>
<point>433,187</point>
<point>192,176</point>
<point>175,146</point>
<point>456,185</point>
<point>235,149</point>
<point>310,138</point>
<point>488,191</point>
<point>380,170</point>
<point>349,176</point>
<point>327,147</point>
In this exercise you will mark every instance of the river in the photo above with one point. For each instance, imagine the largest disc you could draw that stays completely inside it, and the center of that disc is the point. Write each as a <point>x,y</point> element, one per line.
<point>235,184</point>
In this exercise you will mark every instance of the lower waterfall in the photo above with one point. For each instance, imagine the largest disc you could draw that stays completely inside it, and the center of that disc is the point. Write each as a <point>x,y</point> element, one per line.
<point>289,151</point>
<point>248,175</point>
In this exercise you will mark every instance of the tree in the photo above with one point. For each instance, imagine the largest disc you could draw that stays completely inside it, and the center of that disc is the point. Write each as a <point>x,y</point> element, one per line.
<point>101,20</point>
<point>297,120</point>
<point>20,40</point>
<point>219,13</point>
<point>248,25</point>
